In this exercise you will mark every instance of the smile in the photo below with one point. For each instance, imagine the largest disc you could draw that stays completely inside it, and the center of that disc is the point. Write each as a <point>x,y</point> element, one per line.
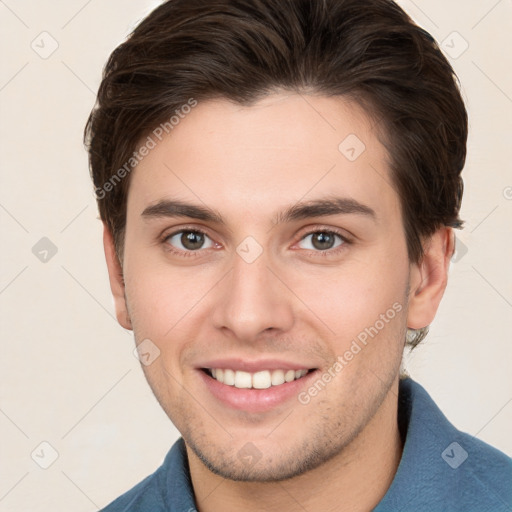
<point>258,391</point>
<point>258,380</point>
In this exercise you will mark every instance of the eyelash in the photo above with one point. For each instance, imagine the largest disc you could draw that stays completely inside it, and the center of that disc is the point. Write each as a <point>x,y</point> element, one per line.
<point>323,254</point>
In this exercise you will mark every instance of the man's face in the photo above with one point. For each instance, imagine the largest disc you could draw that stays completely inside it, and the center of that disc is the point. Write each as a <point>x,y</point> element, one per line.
<point>260,291</point>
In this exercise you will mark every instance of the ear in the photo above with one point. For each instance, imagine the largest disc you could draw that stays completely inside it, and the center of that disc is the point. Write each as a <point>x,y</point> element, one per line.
<point>115,273</point>
<point>428,278</point>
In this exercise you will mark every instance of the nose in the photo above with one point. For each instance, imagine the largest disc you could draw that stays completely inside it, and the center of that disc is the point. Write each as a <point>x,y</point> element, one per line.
<point>252,299</point>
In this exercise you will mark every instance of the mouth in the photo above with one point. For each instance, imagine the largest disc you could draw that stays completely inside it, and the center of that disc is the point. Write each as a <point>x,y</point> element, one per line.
<point>263,379</point>
<point>256,392</point>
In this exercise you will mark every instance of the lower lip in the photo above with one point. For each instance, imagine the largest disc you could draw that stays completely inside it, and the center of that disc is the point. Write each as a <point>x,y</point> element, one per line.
<point>255,400</point>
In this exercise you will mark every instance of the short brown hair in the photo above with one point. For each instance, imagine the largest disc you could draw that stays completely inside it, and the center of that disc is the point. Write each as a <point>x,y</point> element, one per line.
<point>369,51</point>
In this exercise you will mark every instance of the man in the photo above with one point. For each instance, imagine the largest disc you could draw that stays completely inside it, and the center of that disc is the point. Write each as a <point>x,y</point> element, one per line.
<point>279,181</point>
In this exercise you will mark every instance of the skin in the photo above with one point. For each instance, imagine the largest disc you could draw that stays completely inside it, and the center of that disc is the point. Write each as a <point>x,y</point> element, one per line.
<point>295,301</point>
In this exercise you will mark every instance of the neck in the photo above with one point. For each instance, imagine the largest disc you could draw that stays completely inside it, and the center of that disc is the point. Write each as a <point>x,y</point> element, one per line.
<point>355,480</point>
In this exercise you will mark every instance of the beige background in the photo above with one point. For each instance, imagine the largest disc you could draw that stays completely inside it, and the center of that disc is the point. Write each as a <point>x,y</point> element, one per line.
<point>68,375</point>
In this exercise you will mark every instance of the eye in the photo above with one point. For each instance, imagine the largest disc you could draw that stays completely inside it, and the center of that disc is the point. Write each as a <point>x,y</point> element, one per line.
<point>189,240</point>
<point>322,240</point>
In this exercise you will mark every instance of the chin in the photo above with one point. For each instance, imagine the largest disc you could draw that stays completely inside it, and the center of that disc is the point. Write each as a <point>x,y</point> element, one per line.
<point>249,464</point>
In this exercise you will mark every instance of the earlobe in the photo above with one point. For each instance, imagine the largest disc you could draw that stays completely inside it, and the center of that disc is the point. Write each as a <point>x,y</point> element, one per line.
<point>115,272</point>
<point>428,278</point>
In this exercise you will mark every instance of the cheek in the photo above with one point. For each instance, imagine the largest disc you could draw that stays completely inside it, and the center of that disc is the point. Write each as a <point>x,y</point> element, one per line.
<point>353,297</point>
<point>162,299</point>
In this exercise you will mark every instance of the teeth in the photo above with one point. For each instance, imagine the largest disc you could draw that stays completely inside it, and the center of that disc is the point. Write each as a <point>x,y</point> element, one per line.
<point>229,377</point>
<point>257,380</point>
<point>277,377</point>
<point>289,375</point>
<point>262,380</point>
<point>243,380</point>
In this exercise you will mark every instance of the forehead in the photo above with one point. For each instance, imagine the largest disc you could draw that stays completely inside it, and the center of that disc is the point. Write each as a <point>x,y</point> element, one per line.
<point>254,160</point>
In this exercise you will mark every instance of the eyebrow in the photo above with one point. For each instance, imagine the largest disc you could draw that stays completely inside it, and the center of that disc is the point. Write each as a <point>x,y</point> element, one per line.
<point>299,211</point>
<point>323,207</point>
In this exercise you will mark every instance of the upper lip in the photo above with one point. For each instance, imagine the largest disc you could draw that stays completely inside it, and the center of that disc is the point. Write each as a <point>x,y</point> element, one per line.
<point>254,366</point>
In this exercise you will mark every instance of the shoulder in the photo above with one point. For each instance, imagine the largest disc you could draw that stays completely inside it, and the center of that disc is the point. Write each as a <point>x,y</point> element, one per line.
<point>477,474</point>
<point>168,488</point>
<point>442,468</point>
<point>147,495</point>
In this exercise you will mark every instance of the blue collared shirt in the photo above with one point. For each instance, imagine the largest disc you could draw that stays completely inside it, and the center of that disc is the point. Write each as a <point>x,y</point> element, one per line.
<point>441,469</point>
